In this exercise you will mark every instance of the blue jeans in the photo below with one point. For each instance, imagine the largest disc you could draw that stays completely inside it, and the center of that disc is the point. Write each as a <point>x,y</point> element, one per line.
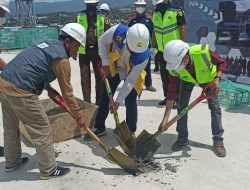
<point>213,104</point>
<point>130,103</point>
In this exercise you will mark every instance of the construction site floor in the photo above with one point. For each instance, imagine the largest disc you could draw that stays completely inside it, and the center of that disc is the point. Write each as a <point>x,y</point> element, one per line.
<point>196,167</point>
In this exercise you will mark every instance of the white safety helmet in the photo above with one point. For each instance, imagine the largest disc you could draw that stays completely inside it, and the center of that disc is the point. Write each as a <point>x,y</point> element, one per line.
<point>138,38</point>
<point>91,1</point>
<point>76,31</point>
<point>4,4</point>
<point>140,2</point>
<point>174,52</point>
<point>104,6</point>
<point>155,2</point>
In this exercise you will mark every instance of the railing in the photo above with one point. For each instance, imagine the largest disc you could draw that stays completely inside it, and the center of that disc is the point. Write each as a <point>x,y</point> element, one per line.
<point>20,37</point>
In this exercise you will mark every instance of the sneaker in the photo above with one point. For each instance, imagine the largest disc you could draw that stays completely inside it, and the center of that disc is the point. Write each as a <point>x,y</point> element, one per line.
<point>151,89</point>
<point>1,151</point>
<point>162,103</point>
<point>59,172</point>
<point>19,164</point>
<point>97,132</point>
<point>180,143</point>
<point>218,148</point>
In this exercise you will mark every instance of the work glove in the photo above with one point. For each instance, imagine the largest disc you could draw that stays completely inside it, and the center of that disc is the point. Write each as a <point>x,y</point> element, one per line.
<point>211,90</point>
<point>153,51</point>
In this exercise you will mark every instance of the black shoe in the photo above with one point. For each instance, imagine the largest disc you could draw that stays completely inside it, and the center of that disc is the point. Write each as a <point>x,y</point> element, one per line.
<point>20,163</point>
<point>1,151</point>
<point>218,148</point>
<point>180,143</point>
<point>59,172</point>
<point>162,103</point>
<point>97,132</point>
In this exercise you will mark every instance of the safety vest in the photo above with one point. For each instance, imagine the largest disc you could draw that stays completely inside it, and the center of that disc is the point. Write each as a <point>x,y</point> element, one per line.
<point>115,52</point>
<point>166,29</point>
<point>82,19</point>
<point>32,69</point>
<point>205,71</point>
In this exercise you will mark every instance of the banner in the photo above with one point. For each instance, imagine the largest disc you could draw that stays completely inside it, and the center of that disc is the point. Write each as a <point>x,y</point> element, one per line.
<point>225,26</point>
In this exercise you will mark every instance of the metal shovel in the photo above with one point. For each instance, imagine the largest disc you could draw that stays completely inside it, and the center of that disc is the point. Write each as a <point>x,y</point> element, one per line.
<point>122,133</point>
<point>113,154</point>
<point>147,145</point>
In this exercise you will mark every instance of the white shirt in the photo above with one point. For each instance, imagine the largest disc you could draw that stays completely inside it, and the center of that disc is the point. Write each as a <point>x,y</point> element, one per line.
<point>105,40</point>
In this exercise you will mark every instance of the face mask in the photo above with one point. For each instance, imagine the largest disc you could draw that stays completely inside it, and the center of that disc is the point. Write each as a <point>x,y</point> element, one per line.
<point>140,10</point>
<point>2,21</point>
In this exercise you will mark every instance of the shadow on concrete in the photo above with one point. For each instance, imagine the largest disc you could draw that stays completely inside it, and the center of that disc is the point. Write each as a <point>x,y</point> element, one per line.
<point>22,173</point>
<point>244,109</point>
<point>106,171</point>
<point>149,102</point>
<point>109,140</point>
<point>167,140</point>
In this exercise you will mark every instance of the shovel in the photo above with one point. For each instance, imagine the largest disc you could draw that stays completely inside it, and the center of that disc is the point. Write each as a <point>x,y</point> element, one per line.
<point>113,154</point>
<point>147,145</point>
<point>122,133</point>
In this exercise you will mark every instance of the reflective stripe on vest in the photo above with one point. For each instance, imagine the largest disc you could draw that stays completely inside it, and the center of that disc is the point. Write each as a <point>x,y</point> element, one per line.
<point>205,71</point>
<point>82,19</point>
<point>166,29</point>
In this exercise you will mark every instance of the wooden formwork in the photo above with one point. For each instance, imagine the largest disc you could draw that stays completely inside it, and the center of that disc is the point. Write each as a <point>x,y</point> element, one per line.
<point>63,126</point>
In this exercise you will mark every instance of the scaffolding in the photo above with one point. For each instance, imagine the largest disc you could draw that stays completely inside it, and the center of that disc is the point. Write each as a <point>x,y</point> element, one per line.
<point>25,13</point>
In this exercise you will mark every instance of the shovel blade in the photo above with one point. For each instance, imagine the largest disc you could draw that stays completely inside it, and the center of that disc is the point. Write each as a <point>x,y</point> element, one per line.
<point>123,160</point>
<point>125,138</point>
<point>146,146</point>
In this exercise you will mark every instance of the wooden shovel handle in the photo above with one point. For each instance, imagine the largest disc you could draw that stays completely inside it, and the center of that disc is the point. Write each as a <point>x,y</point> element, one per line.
<point>91,133</point>
<point>184,111</point>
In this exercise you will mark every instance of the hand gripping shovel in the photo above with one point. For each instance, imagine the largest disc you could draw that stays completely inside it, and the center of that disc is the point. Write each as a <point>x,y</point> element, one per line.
<point>147,145</point>
<point>113,154</point>
<point>122,133</point>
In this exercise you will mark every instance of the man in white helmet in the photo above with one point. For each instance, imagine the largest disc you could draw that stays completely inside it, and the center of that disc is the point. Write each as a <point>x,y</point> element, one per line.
<point>143,18</point>
<point>4,8</point>
<point>22,80</point>
<point>190,66</point>
<point>104,8</point>
<point>169,24</point>
<point>95,24</point>
<point>124,52</point>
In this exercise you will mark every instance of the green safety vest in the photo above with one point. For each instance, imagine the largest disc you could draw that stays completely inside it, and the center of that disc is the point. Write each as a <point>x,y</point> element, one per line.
<point>205,71</point>
<point>82,19</point>
<point>166,29</point>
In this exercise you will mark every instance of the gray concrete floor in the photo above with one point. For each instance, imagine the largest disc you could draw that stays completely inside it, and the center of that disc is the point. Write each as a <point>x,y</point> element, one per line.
<point>196,167</point>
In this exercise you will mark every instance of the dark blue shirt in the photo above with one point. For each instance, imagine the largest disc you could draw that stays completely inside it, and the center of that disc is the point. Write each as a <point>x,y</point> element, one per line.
<point>143,20</point>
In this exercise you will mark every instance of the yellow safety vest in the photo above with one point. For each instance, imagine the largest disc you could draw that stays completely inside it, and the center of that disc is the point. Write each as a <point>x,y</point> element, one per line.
<point>166,29</point>
<point>114,55</point>
<point>82,19</point>
<point>205,71</point>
